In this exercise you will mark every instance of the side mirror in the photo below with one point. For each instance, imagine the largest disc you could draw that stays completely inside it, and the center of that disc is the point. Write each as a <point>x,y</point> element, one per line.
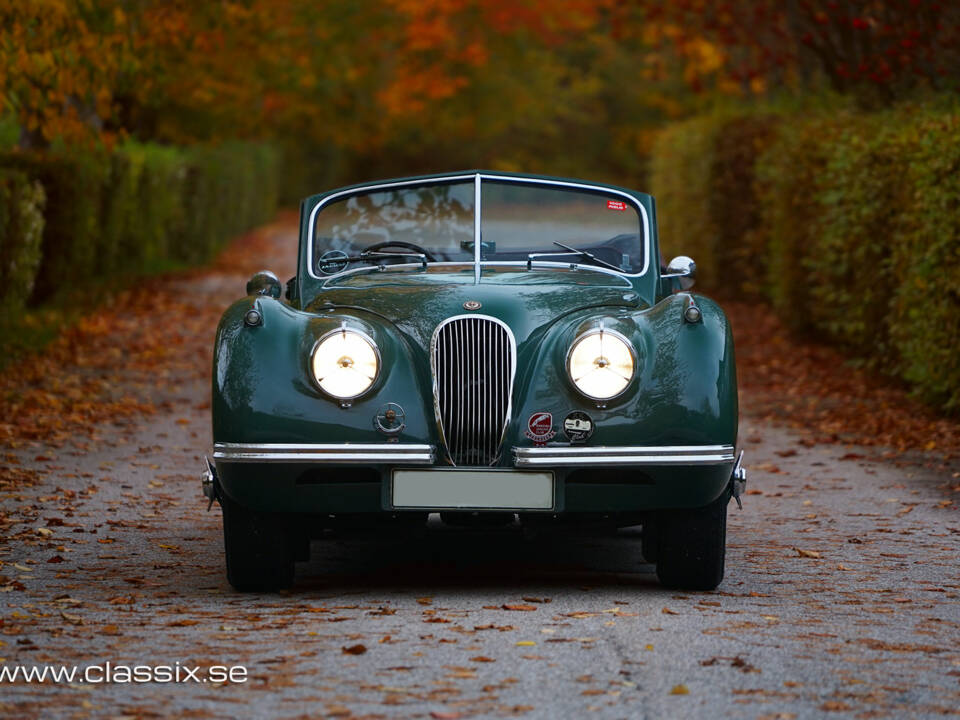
<point>683,268</point>
<point>264,283</point>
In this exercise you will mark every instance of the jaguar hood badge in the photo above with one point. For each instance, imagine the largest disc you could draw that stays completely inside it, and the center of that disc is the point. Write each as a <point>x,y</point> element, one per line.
<point>472,305</point>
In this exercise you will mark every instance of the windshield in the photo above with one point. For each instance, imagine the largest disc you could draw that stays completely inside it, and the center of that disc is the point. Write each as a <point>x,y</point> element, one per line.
<point>517,219</point>
<point>436,217</point>
<point>520,219</point>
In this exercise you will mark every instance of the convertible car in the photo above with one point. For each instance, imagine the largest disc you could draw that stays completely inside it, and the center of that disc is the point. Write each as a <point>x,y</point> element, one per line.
<point>493,347</point>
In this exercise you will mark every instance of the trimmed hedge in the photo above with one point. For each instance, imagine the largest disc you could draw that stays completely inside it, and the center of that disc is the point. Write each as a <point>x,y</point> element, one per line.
<point>680,177</point>
<point>21,231</point>
<point>142,207</point>
<point>849,224</point>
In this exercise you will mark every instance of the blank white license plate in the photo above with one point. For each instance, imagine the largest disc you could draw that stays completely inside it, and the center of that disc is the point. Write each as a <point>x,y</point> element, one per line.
<point>472,490</point>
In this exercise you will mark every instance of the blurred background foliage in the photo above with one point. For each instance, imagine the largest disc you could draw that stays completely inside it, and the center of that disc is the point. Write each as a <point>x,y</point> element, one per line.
<point>804,151</point>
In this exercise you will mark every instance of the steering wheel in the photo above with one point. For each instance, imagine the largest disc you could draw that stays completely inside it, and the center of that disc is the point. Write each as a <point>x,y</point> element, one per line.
<point>402,244</point>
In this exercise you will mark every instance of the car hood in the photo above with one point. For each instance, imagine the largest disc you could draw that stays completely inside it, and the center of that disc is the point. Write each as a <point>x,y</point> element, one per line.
<point>525,300</point>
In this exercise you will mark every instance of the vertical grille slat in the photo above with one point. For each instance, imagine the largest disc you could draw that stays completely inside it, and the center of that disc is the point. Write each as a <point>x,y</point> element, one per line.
<point>473,359</point>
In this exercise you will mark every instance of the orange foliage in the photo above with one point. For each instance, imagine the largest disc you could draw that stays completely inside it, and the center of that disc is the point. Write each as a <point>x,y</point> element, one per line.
<point>362,76</point>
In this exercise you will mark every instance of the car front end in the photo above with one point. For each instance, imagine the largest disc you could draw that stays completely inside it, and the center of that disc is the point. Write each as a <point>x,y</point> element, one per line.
<point>543,392</point>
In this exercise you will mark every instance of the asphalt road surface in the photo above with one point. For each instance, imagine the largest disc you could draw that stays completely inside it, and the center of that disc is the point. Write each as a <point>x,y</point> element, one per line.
<point>841,599</point>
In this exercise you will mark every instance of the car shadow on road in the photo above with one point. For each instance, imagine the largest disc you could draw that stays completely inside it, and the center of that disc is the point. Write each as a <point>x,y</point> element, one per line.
<point>475,558</point>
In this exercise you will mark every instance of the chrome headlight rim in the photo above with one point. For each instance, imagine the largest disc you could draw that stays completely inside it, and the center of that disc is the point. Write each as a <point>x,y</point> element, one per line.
<point>601,330</point>
<point>365,336</point>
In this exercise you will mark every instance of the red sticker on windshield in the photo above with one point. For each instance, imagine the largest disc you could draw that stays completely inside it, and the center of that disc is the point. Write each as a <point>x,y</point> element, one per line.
<point>616,205</point>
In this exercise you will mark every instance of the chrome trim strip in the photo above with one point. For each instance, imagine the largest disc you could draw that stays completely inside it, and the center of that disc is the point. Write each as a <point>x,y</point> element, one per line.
<point>541,264</point>
<point>585,455</point>
<point>376,453</point>
<point>476,229</point>
<point>478,178</point>
<point>390,268</point>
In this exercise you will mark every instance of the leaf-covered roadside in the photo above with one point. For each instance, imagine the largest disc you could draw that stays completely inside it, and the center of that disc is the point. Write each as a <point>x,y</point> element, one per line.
<point>815,389</point>
<point>117,363</point>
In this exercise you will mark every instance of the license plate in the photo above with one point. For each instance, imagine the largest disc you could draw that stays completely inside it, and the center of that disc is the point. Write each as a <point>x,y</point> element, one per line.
<point>472,490</point>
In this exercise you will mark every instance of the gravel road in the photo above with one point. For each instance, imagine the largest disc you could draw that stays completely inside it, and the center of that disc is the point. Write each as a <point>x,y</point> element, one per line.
<point>842,594</point>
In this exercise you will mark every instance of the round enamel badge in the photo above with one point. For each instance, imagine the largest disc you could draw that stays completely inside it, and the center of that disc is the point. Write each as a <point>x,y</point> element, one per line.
<point>578,427</point>
<point>540,428</point>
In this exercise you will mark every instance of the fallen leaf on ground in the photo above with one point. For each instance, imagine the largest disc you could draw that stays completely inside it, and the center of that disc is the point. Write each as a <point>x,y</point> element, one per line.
<point>680,690</point>
<point>358,649</point>
<point>807,553</point>
<point>835,705</point>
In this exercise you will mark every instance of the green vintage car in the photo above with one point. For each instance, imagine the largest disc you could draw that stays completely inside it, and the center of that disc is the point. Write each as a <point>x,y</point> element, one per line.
<point>493,347</point>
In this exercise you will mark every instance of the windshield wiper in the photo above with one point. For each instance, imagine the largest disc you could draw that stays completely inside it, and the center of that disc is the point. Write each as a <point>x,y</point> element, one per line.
<point>369,257</point>
<point>571,251</point>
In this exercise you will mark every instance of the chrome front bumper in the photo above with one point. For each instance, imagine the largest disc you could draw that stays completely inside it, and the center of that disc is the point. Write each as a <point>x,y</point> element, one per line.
<point>410,454</point>
<point>340,453</point>
<point>585,455</point>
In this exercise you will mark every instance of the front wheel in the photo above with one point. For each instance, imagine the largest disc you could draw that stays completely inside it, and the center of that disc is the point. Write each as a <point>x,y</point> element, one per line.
<point>691,546</point>
<point>260,548</point>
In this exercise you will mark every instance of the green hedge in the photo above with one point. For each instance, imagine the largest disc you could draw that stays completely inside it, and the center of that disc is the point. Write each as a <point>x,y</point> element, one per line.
<point>680,179</point>
<point>848,223</point>
<point>142,207</point>
<point>21,232</point>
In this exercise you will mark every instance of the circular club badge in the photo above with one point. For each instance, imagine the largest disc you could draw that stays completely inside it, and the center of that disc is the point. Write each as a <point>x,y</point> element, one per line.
<point>540,428</point>
<point>578,426</point>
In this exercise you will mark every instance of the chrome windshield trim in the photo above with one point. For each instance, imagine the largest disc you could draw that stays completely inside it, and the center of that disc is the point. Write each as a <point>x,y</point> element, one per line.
<point>612,455</point>
<point>375,453</point>
<point>537,265</point>
<point>476,229</point>
<point>477,179</point>
<point>392,268</point>
<point>553,265</point>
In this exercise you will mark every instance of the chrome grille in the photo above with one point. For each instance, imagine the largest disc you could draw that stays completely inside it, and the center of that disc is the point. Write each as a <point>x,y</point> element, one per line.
<point>473,359</point>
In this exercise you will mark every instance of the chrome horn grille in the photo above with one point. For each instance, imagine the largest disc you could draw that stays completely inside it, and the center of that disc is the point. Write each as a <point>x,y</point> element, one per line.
<point>474,359</point>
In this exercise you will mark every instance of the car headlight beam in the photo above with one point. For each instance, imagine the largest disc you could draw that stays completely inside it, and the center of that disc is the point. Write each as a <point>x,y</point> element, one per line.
<point>601,363</point>
<point>345,363</point>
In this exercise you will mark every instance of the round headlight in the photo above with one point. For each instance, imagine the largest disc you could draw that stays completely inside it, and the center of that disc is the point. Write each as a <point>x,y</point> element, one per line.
<point>600,364</point>
<point>345,363</point>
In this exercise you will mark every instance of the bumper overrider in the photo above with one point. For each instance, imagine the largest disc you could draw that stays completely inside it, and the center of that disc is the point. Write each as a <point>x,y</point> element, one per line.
<point>385,477</point>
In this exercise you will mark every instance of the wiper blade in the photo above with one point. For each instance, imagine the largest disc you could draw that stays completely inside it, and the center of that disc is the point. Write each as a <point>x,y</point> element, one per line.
<point>571,251</point>
<point>369,257</point>
<point>584,253</point>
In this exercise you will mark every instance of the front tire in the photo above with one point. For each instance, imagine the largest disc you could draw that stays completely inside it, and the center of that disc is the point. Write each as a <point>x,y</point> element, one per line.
<point>259,548</point>
<point>691,546</point>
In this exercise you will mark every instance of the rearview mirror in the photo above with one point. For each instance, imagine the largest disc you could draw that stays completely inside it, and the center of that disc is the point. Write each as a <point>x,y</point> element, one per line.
<point>264,283</point>
<point>683,268</point>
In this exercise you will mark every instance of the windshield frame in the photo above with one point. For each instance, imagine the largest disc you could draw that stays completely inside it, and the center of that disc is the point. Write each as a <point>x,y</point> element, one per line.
<point>478,263</point>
